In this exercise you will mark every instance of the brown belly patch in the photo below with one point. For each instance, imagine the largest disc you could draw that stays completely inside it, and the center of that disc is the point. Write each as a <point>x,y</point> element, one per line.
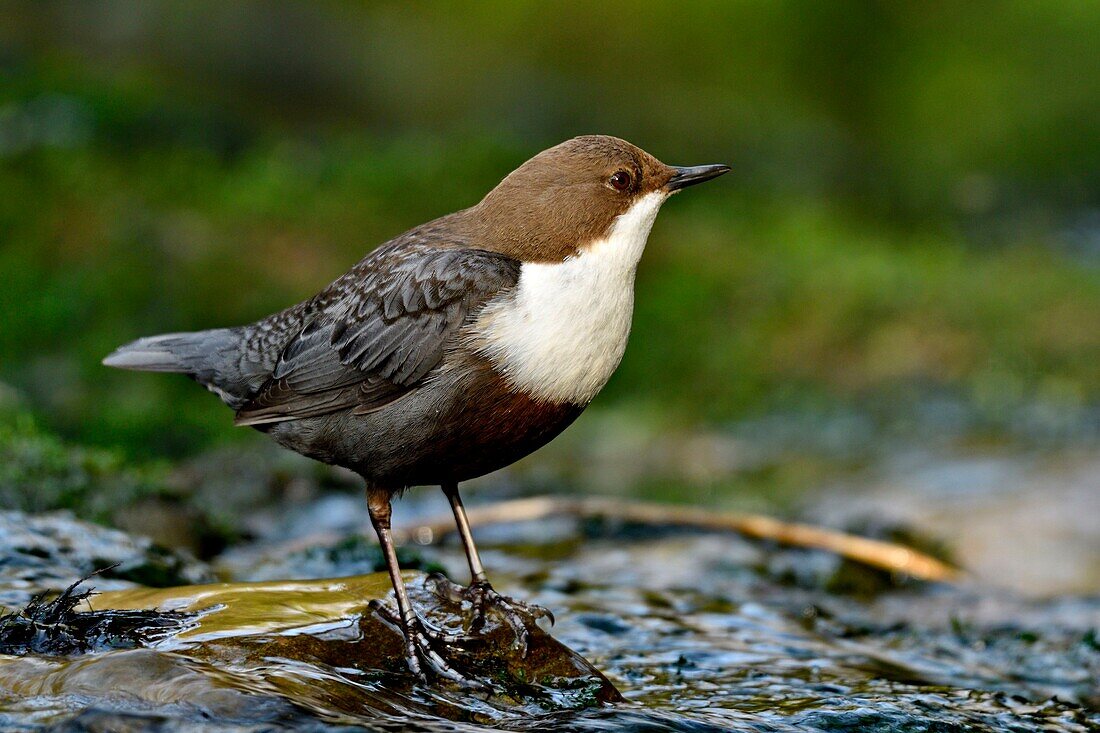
<point>488,427</point>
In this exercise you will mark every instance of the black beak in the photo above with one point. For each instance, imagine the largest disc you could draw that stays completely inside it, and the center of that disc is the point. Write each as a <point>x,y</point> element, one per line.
<point>689,176</point>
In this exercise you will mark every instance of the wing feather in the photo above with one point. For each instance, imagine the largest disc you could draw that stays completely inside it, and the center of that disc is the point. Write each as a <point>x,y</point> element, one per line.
<point>381,330</point>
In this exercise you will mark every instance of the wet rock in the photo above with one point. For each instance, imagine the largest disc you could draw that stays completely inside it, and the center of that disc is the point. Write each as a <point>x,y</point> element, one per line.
<point>52,551</point>
<point>247,651</point>
<point>337,649</point>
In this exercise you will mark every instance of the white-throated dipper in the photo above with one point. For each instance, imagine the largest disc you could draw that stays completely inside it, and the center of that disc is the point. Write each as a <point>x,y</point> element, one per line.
<point>453,349</point>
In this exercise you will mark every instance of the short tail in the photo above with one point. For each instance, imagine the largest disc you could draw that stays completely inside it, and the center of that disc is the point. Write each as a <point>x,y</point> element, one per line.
<point>209,357</point>
<point>170,352</point>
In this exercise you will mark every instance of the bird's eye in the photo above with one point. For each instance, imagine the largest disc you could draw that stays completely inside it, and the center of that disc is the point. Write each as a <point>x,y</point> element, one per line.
<point>620,181</point>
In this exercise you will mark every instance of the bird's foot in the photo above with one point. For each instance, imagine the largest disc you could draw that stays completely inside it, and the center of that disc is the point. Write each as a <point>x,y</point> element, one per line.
<point>426,648</point>
<point>484,601</point>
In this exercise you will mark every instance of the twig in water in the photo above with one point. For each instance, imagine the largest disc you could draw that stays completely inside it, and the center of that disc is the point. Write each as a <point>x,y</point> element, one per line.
<point>875,553</point>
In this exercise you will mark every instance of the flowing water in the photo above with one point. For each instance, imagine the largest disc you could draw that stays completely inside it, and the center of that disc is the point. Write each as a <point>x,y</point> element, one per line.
<point>697,632</point>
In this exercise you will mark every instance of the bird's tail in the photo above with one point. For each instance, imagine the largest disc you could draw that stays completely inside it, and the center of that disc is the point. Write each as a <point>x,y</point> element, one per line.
<point>205,356</point>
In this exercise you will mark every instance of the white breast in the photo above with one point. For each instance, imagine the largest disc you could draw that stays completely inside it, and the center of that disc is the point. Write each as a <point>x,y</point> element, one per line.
<point>561,333</point>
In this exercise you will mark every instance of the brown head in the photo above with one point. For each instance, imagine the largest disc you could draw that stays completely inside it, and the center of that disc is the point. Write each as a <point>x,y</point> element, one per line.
<point>570,195</point>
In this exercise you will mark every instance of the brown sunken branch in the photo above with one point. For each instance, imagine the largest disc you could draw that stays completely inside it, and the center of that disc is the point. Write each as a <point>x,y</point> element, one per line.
<point>875,553</point>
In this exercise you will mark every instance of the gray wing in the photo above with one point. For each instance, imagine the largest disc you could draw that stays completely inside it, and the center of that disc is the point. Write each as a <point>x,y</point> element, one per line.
<point>377,332</point>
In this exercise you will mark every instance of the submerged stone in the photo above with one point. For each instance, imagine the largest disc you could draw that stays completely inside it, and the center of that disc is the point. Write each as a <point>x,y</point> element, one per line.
<point>315,645</point>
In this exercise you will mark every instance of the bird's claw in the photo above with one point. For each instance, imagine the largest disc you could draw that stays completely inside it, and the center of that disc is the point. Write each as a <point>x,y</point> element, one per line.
<point>421,654</point>
<point>484,600</point>
<point>434,633</point>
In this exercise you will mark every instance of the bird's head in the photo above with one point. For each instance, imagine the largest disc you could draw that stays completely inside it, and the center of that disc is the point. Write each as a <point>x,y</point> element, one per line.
<point>574,194</point>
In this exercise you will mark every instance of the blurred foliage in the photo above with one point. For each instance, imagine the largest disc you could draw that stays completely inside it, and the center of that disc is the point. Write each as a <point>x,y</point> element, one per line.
<point>914,205</point>
<point>39,472</point>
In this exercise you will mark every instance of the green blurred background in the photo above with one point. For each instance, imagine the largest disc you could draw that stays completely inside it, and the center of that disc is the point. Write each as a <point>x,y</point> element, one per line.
<point>913,217</point>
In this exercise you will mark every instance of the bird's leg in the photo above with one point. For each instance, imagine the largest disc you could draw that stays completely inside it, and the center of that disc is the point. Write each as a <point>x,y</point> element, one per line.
<point>480,593</point>
<point>418,646</point>
<point>477,570</point>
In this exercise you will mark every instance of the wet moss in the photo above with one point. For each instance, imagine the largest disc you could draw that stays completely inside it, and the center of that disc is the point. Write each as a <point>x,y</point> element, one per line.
<point>51,625</point>
<point>40,472</point>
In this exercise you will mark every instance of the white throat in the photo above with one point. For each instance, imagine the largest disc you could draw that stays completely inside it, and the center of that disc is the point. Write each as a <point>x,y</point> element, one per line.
<point>561,333</point>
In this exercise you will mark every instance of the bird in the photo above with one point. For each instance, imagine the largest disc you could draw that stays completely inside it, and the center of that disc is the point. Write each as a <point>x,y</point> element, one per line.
<point>451,350</point>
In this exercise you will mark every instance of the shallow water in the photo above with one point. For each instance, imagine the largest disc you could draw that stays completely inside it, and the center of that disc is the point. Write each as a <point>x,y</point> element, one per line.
<point>695,627</point>
<point>699,632</point>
